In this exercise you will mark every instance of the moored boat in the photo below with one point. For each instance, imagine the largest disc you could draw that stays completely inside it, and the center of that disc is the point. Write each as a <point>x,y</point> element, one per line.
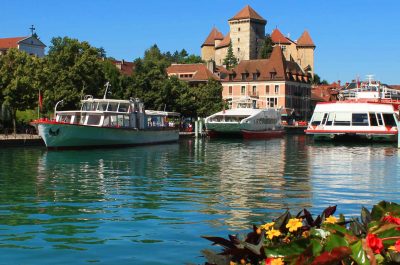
<point>107,122</point>
<point>372,121</point>
<point>245,122</point>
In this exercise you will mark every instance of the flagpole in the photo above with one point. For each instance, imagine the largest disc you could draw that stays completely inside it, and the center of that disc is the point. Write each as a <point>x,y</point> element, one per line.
<point>38,109</point>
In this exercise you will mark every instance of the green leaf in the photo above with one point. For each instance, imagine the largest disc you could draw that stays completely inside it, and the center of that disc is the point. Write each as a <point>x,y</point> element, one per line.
<point>334,241</point>
<point>379,210</point>
<point>365,216</point>
<point>316,247</point>
<point>358,254</point>
<point>281,221</point>
<point>294,248</point>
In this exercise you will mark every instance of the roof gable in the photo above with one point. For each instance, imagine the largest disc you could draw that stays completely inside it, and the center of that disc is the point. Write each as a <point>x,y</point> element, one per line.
<point>31,40</point>
<point>199,71</point>
<point>215,34</point>
<point>278,38</point>
<point>225,42</point>
<point>305,40</point>
<point>248,12</point>
<point>6,43</point>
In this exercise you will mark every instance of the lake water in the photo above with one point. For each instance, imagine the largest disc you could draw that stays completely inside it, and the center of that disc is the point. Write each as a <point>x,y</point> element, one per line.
<point>151,204</point>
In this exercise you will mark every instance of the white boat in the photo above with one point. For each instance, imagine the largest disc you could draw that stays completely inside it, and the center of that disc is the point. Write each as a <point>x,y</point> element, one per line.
<point>107,122</point>
<point>352,119</point>
<point>246,122</point>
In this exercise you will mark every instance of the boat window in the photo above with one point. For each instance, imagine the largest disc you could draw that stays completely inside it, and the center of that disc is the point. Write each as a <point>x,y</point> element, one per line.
<point>93,120</point>
<point>107,121</point>
<point>317,118</point>
<point>102,106</point>
<point>123,107</point>
<point>330,119</point>
<point>65,118</point>
<point>372,119</point>
<point>342,119</point>
<point>389,119</point>
<point>359,119</point>
<point>112,107</point>
<point>380,121</point>
<point>77,119</point>
<point>325,118</point>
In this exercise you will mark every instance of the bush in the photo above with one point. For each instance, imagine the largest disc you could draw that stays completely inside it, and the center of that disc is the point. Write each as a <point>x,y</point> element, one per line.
<point>374,238</point>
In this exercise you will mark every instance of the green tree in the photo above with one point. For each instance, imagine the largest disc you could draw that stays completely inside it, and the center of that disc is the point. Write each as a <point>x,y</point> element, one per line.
<point>73,69</point>
<point>208,98</point>
<point>230,60</point>
<point>266,48</point>
<point>20,80</point>
<point>317,80</point>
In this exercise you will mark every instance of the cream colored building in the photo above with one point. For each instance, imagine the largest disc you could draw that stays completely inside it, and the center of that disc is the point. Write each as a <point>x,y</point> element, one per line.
<point>247,34</point>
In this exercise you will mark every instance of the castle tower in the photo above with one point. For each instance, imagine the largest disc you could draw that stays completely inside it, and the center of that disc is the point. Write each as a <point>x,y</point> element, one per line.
<point>208,47</point>
<point>247,31</point>
<point>305,52</point>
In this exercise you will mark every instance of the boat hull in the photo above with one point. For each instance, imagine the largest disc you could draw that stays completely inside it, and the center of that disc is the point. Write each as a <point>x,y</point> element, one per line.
<point>353,136</point>
<point>247,134</point>
<point>59,136</point>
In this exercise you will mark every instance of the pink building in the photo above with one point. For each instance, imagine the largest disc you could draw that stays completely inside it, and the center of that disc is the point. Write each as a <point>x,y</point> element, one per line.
<point>273,82</point>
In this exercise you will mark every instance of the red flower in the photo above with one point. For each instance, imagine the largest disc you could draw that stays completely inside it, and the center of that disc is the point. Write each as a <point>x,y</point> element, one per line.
<point>374,243</point>
<point>397,245</point>
<point>392,220</point>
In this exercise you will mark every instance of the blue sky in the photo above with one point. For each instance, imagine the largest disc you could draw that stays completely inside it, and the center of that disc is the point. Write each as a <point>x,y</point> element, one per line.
<point>353,37</point>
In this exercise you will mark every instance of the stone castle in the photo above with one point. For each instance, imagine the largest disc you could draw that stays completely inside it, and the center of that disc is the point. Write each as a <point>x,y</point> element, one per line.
<point>247,34</point>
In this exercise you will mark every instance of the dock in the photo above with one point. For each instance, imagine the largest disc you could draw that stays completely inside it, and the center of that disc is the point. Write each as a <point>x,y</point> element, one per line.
<point>20,140</point>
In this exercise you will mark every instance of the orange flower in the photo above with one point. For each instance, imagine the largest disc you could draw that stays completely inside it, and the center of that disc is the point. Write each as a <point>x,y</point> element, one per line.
<point>294,224</point>
<point>375,243</point>
<point>267,226</point>
<point>396,246</point>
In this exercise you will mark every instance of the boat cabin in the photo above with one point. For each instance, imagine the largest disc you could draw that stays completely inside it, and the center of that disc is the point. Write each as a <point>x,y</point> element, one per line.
<point>116,113</point>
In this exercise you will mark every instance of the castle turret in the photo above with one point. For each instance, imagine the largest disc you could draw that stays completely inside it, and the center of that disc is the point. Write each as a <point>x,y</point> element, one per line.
<point>208,47</point>
<point>247,31</point>
<point>306,47</point>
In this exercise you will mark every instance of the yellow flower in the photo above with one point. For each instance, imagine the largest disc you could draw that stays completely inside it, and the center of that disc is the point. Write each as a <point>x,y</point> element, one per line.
<point>294,224</point>
<point>267,226</point>
<point>272,233</point>
<point>277,261</point>
<point>331,220</point>
<point>392,248</point>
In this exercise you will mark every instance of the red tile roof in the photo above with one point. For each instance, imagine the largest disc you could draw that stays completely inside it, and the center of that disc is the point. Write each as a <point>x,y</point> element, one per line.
<point>124,67</point>
<point>274,68</point>
<point>278,38</point>
<point>225,42</point>
<point>6,43</point>
<point>305,40</point>
<point>248,12</point>
<point>214,35</point>
<point>199,72</point>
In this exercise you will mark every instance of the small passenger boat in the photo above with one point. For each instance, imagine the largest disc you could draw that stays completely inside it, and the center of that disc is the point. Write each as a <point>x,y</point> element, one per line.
<point>107,122</point>
<point>246,122</point>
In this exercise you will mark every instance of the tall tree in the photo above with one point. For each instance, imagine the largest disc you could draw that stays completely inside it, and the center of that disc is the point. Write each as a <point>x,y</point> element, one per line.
<point>73,70</point>
<point>230,60</point>
<point>208,98</point>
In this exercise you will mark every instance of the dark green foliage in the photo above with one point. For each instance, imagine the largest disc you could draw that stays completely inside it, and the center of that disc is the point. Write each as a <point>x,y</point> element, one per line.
<point>317,80</point>
<point>266,48</point>
<point>230,60</point>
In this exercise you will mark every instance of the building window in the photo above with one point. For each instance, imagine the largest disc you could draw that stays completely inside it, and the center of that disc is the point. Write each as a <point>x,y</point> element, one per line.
<point>238,39</point>
<point>276,89</point>
<point>267,89</point>
<point>243,90</point>
<point>231,76</point>
<point>239,29</point>
<point>272,74</point>
<point>230,90</point>
<point>272,102</point>
<point>254,90</point>
<point>238,49</point>
<point>244,76</point>
<point>255,76</point>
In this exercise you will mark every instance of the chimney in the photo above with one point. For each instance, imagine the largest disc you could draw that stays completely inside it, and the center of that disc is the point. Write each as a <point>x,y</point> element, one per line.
<point>211,66</point>
<point>123,61</point>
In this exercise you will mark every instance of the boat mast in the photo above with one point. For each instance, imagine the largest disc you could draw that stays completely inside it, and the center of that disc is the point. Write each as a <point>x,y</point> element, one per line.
<point>107,85</point>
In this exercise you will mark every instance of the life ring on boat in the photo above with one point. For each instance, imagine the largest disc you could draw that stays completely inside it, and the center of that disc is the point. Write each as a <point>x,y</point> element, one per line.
<point>332,136</point>
<point>368,136</point>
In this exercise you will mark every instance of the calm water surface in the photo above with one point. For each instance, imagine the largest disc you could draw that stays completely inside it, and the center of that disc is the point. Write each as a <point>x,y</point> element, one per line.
<point>149,205</point>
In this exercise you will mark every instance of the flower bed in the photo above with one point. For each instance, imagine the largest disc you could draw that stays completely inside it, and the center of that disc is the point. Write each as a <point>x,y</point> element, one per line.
<point>373,238</point>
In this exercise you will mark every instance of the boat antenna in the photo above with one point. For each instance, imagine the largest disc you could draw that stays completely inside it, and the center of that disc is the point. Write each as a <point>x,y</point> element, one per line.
<point>107,85</point>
